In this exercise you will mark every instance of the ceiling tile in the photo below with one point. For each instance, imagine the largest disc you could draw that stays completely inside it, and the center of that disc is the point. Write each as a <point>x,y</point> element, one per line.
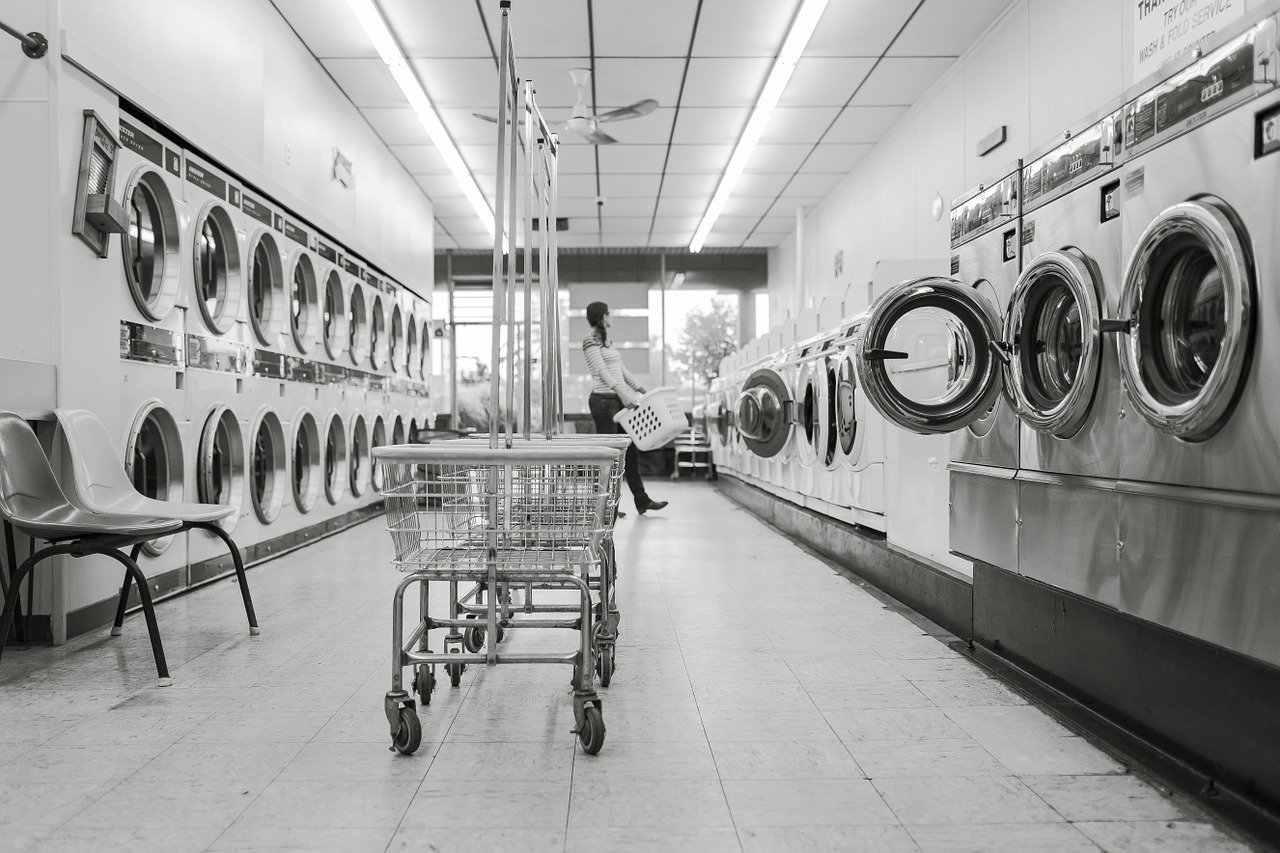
<point>650,28</point>
<point>776,223</point>
<point>710,125</point>
<point>824,81</point>
<point>552,83</point>
<point>542,27</point>
<point>738,224</point>
<point>576,159</point>
<point>577,241</point>
<point>946,27</point>
<point>725,239</point>
<point>396,125</point>
<point>859,27</point>
<point>470,83</point>
<point>761,185</point>
<point>367,82</point>
<point>629,206</point>
<point>623,186</point>
<point>670,206</point>
<point>777,158</point>
<point>670,239</point>
<point>475,241</point>
<point>576,207</point>
<point>901,80</point>
<point>626,224</point>
<point>453,207</point>
<point>439,186</point>
<point>421,160</point>
<point>765,241</point>
<point>327,27</point>
<point>690,186</point>
<point>460,225</point>
<point>698,159</point>
<point>864,124</point>
<point>466,129</point>
<point>631,158</point>
<point>620,82</point>
<point>798,124</point>
<point>815,184</point>
<point>724,82</point>
<point>750,206</point>
<point>742,27</point>
<point>653,129</point>
<point>580,186</point>
<point>435,27</point>
<point>676,224</point>
<point>836,157</point>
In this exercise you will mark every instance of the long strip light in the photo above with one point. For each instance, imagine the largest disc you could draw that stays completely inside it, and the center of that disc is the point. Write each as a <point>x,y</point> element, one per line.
<point>802,27</point>
<point>375,27</point>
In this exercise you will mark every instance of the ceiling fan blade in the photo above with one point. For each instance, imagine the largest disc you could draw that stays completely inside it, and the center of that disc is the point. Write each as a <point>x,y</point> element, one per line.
<point>599,137</point>
<point>639,108</point>
<point>484,117</point>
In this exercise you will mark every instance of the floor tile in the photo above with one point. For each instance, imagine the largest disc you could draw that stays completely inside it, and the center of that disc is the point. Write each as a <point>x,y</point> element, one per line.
<point>1098,798</point>
<point>647,803</point>
<point>677,761</point>
<point>826,839</point>
<point>842,802</point>
<point>638,839</point>
<point>784,760</point>
<point>1159,836</point>
<point>512,803</point>
<point>340,804</point>
<point>802,725</point>
<point>301,839</point>
<point>925,757</point>
<point>1061,756</point>
<point>1001,838</point>
<point>160,804</point>
<point>166,840</point>
<point>852,724</point>
<point>461,760</point>
<point>971,799</point>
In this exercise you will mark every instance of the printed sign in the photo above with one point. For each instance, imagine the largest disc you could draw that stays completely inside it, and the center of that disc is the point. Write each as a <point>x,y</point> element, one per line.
<point>1163,30</point>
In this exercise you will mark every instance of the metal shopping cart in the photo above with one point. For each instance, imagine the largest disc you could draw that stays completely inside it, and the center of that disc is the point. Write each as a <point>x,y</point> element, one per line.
<point>461,512</point>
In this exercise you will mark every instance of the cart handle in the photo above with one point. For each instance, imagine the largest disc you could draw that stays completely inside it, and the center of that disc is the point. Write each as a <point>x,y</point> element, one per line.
<point>464,451</point>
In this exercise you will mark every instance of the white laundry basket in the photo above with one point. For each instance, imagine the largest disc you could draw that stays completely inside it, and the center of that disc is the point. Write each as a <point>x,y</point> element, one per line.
<point>656,419</point>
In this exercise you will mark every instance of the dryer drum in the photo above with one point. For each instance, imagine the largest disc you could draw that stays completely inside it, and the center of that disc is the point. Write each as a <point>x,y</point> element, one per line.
<point>153,461</point>
<point>306,462</point>
<point>220,462</point>
<point>846,416</point>
<point>810,433</point>
<point>217,268</point>
<point>1054,325</point>
<point>333,315</point>
<point>357,326</point>
<point>831,429</point>
<point>378,334</point>
<point>412,360</point>
<point>335,458</point>
<point>266,290</point>
<point>303,304</point>
<point>151,244</point>
<point>397,431</point>
<point>267,468</point>
<point>1189,292</point>
<point>398,361</point>
<point>378,438</point>
<point>360,457</point>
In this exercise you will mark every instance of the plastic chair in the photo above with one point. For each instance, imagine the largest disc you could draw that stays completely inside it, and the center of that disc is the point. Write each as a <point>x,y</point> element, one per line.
<point>100,484</point>
<point>33,502</point>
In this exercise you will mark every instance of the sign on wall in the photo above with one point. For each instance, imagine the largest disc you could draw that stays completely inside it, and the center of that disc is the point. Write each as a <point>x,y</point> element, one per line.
<point>1163,30</point>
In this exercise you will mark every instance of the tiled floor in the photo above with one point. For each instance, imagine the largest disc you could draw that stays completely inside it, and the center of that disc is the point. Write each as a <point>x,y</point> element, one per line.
<point>762,702</point>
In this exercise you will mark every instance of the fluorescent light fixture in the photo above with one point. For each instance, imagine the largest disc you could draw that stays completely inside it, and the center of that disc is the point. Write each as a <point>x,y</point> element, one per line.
<point>677,281</point>
<point>375,27</point>
<point>802,27</point>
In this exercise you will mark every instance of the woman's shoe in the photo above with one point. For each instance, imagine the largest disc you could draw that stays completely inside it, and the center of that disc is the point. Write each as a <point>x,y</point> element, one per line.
<point>651,505</point>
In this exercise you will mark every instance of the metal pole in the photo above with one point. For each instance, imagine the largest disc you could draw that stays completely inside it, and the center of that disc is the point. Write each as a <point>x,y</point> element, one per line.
<point>513,253</point>
<point>495,383</point>
<point>531,193</point>
<point>34,44</point>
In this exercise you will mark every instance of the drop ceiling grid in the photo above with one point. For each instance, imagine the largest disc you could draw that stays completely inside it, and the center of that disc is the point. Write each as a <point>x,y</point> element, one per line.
<point>704,61</point>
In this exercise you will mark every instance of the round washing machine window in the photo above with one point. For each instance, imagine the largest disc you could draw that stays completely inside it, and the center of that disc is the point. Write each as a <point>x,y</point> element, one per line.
<point>357,326</point>
<point>1189,294</point>
<point>1054,327</point>
<point>413,429</point>
<point>811,404</point>
<point>153,460</point>
<point>151,245</point>
<point>424,355</point>
<point>377,334</point>
<point>764,413</point>
<point>266,289</point>
<point>378,438</point>
<point>829,453</point>
<point>397,431</point>
<point>398,362</point>
<point>412,361</point>
<point>359,471</point>
<point>217,266</point>
<point>267,467</point>
<point>220,462</point>
<point>303,303</point>
<point>335,458</point>
<point>306,462</point>
<point>332,315</point>
<point>846,413</point>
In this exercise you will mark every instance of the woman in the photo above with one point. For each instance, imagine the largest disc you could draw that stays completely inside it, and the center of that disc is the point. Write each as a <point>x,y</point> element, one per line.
<point>614,388</point>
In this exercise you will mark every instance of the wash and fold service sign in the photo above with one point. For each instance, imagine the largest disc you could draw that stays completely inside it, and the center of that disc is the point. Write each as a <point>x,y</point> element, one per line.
<point>1165,29</point>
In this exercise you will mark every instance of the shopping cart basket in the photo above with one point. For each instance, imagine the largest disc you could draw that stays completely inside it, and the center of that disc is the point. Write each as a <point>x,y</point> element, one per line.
<point>528,514</point>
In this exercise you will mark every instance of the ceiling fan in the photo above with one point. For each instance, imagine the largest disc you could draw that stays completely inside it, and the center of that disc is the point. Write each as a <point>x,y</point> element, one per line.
<point>582,123</point>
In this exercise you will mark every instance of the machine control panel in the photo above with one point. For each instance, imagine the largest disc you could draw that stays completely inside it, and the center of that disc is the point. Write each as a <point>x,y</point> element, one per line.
<point>989,207</point>
<point>217,355</point>
<point>140,342</point>
<point>1078,160</point>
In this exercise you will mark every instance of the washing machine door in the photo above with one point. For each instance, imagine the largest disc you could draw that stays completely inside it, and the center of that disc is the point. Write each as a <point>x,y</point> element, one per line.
<point>847,432</point>
<point>1190,301</point>
<point>930,357</point>
<point>811,389</point>
<point>765,413</point>
<point>1054,328</point>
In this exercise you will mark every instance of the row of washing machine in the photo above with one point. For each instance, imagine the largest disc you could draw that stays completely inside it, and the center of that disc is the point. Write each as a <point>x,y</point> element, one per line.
<point>1104,354</point>
<point>259,363</point>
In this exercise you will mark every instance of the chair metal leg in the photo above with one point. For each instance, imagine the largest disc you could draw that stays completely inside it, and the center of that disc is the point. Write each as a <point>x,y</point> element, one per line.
<point>11,555</point>
<point>14,594</point>
<point>216,530</point>
<point>123,605</point>
<point>149,611</point>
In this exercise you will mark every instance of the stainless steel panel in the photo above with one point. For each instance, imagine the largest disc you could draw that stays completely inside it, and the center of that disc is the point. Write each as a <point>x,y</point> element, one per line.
<point>1204,569</point>
<point>1217,158</point>
<point>1068,535</point>
<point>984,515</point>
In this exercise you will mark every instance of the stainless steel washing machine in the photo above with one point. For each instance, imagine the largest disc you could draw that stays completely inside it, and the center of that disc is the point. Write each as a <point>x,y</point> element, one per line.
<point>1063,376</point>
<point>1199,488</point>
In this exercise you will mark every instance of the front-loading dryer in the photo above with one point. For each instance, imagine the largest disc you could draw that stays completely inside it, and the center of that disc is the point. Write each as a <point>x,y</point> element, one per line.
<point>1199,485</point>
<point>1063,376</point>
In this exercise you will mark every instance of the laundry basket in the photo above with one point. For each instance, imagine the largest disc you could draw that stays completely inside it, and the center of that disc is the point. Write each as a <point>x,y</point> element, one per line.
<point>655,420</point>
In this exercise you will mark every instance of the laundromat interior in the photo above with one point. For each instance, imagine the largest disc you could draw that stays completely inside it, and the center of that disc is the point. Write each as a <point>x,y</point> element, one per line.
<point>762,425</point>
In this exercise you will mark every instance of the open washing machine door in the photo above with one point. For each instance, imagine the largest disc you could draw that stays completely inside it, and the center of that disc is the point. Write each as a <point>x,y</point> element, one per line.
<point>765,413</point>
<point>810,402</point>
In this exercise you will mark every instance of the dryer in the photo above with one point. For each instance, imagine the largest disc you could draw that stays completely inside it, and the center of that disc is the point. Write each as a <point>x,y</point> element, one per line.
<point>1199,484</point>
<point>1063,376</point>
<point>931,360</point>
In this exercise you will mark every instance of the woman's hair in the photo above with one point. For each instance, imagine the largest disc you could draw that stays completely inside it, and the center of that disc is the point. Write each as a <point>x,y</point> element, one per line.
<point>595,313</point>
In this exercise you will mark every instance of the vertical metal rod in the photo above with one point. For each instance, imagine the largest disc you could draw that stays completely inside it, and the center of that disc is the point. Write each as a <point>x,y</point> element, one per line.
<point>662,301</point>
<point>495,383</point>
<point>531,195</point>
<point>513,251</point>
<point>553,250</point>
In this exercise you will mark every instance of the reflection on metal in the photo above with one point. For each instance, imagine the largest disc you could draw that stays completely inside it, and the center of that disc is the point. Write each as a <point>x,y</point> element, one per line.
<point>765,413</point>
<point>1189,294</point>
<point>150,243</point>
<point>223,356</point>
<point>304,307</point>
<point>266,289</point>
<point>140,342</point>
<point>216,256</point>
<point>220,462</point>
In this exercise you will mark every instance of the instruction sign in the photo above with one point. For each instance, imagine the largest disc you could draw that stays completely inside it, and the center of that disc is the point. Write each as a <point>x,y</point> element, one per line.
<point>1163,30</point>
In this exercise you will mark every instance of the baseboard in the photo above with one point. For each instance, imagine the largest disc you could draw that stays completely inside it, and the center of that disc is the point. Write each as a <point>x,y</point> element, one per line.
<point>941,594</point>
<point>182,580</point>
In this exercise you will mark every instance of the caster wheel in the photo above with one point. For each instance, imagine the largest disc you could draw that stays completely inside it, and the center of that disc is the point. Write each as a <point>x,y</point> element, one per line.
<point>473,640</point>
<point>424,684</point>
<point>502,634</point>
<point>409,737</point>
<point>455,672</point>
<point>591,734</point>
<point>604,665</point>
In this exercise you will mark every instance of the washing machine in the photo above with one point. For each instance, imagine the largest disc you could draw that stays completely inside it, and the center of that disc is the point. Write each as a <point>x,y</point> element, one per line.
<point>151,426</point>
<point>766,418</point>
<point>1199,481</point>
<point>1063,378</point>
<point>813,482</point>
<point>359,454</point>
<point>932,360</point>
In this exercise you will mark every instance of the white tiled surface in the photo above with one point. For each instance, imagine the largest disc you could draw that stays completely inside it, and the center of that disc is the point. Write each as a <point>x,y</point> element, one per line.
<point>732,724</point>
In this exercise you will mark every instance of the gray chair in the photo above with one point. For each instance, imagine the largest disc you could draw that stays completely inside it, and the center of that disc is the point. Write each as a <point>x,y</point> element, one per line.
<point>33,502</point>
<point>100,484</point>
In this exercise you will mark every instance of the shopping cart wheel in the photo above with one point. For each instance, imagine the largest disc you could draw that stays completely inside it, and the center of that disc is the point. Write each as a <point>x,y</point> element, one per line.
<point>591,732</point>
<point>604,664</point>
<point>455,671</point>
<point>424,683</point>
<point>409,735</point>
<point>473,638</point>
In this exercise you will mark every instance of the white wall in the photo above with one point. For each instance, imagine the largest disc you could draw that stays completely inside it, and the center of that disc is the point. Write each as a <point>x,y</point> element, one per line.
<point>1043,66</point>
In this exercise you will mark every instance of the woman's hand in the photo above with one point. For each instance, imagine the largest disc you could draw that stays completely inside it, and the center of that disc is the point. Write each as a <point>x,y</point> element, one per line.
<point>629,398</point>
